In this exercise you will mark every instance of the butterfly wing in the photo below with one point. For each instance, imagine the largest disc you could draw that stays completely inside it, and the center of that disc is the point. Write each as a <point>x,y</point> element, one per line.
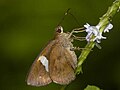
<point>38,76</point>
<point>61,70</point>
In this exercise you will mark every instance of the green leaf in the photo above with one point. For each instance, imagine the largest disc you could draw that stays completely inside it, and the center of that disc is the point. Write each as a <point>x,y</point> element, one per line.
<point>91,87</point>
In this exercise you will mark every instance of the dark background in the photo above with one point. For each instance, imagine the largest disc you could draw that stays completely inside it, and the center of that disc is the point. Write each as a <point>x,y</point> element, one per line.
<point>26,26</point>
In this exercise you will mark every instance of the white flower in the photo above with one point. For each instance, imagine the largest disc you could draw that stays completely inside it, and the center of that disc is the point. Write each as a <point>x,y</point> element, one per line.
<point>109,26</point>
<point>94,30</point>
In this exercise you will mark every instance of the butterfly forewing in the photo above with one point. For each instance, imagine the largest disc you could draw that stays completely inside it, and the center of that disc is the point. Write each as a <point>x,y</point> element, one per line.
<point>38,76</point>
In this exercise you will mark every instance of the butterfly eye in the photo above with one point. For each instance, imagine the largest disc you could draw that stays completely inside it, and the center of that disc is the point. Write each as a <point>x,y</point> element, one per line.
<point>59,29</point>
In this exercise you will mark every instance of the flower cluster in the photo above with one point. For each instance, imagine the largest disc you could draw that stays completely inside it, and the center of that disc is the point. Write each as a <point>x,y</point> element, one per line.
<point>95,30</point>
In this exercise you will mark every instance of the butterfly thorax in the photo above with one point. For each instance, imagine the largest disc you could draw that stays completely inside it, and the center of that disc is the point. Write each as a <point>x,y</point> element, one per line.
<point>64,40</point>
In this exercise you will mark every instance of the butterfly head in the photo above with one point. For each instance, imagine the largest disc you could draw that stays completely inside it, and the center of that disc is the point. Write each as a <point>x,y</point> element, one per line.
<point>59,29</point>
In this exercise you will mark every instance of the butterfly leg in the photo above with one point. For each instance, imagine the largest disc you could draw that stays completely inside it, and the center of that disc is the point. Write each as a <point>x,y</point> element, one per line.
<point>78,38</point>
<point>79,49</point>
<point>76,30</point>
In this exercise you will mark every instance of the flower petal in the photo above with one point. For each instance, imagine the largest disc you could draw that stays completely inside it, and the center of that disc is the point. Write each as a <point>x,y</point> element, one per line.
<point>109,26</point>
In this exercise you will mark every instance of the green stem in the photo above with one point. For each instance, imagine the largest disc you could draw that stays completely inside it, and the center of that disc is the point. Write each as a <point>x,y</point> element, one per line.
<point>104,21</point>
<point>64,87</point>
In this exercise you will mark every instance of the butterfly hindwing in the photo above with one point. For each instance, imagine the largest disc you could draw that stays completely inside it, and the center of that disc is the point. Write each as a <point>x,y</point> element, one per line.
<point>61,70</point>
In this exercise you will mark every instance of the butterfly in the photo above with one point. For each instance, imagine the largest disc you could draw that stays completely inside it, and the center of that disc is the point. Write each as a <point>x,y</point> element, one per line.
<point>56,62</point>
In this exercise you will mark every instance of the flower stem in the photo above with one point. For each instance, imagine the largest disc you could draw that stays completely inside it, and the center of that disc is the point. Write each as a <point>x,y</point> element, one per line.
<point>104,21</point>
<point>64,87</point>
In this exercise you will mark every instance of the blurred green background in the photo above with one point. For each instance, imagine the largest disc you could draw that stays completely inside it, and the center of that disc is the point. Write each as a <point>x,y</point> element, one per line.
<point>26,26</point>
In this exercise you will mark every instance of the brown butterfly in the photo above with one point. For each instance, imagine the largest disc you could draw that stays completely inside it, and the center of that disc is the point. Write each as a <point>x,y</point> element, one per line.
<point>56,63</point>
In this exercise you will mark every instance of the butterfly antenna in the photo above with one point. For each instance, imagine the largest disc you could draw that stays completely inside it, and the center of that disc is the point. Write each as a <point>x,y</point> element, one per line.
<point>74,18</point>
<point>66,13</point>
